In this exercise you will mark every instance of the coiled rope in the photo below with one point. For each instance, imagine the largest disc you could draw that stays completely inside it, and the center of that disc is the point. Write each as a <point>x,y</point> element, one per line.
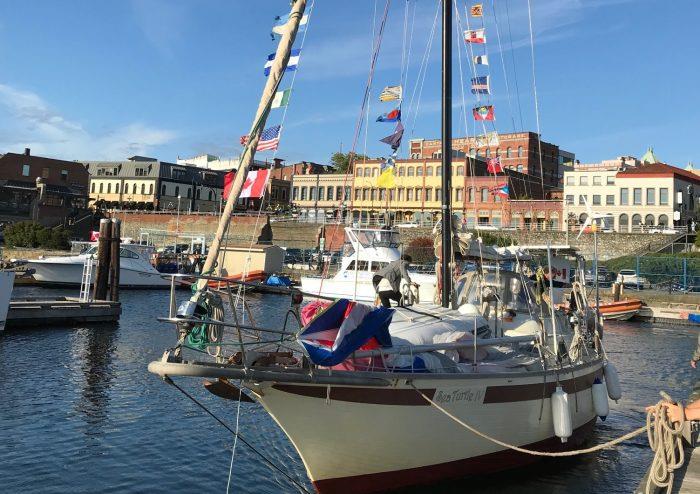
<point>664,439</point>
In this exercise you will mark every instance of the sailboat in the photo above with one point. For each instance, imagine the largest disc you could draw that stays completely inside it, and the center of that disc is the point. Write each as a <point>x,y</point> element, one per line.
<point>375,399</point>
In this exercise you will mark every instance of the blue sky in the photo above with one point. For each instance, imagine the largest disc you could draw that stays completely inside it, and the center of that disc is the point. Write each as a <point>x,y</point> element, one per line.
<point>86,80</point>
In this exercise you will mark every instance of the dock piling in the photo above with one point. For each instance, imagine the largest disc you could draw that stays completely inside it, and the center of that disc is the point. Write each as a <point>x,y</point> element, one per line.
<point>114,262</point>
<point>102,275</point>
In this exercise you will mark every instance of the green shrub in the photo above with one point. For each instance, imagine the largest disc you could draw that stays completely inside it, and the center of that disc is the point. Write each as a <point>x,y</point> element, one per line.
<point>31,234</point>
<point>421,250</point>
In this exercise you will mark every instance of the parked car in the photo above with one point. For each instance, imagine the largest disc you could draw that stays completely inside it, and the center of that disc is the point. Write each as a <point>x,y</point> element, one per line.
<point>605,278</point>
<point>629,279</point>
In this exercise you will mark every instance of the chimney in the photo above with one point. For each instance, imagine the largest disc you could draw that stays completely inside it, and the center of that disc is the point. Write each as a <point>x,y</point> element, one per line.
<point>26,151</point>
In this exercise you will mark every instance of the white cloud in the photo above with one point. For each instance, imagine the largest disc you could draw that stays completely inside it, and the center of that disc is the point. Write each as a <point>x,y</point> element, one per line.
<point>31,122</point>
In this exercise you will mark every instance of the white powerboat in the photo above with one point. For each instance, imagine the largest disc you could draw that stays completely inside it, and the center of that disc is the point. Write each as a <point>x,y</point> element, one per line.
<point>367,250</point>
<point>136,270</point>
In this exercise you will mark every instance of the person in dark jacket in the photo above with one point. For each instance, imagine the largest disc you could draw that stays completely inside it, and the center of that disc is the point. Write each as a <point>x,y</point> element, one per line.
<point>387,281</point>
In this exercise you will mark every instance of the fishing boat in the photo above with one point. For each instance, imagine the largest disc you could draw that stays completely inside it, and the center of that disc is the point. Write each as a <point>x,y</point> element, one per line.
<point>136,270</point>
<point>621,310</point>
<point>375,398</point>
<point>366,251</point>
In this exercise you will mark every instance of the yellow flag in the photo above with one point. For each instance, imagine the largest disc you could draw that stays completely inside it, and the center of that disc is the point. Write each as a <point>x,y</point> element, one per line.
<point>477,10</point>
<point>385,180</point>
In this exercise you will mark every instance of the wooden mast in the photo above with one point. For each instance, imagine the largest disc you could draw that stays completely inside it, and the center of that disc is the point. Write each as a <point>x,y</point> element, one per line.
<point>446,151</point>
<point>273,80</point>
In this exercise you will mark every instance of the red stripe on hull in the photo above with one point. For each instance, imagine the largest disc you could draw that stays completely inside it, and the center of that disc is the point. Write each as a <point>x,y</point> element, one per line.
<point>490,463</point>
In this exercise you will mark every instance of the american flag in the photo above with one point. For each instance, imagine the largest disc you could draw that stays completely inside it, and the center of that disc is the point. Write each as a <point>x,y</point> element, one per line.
<point>269,139</point>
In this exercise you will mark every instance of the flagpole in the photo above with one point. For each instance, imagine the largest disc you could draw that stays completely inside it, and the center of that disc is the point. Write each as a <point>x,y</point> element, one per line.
<point>446,151</point>
<point>279,65</point>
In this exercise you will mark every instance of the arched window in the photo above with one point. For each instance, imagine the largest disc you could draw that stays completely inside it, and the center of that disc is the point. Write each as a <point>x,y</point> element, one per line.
<point>624,225</point>
<point>150,189</point>
<point>199,193</point>
<point>162,190</point>
<point>365,194</point>
<point>428,194</point>
<point>399,194</point>
<point>460,171</point>
<point>109,188</point>
<point>409,194</point>
<point>374,194</point>
<point>133,189</point>
<point>636,222</point>
<point>177,190</point>
<point>143,189</point>
<point>429,171</point>
<point>92,187</point>
<point>368,171</point>
<point>508,152</point>
<point>459,195</point>
<point>484,194</point>
<point>438,194</point>
<point>419,171</point>
<point>419,194</point>
<point>402,171</point>
<point>116,188</point>
<point>470,194</point>
<point>649,220</point>
<point>411,171</point>
<point>519,168</point>
<point>189,193</point>
<point>358,172</point>
<point>438,171</point>
<point>101,187</point>
<point>582,218</point>
<point>520,151</point>
<point>375,172</point>
<point>210,194</point>
<point>663,220</point>
<point>498,151</point>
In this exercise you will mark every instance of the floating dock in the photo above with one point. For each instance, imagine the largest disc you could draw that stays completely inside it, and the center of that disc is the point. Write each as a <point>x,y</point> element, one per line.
<point>62,311</point>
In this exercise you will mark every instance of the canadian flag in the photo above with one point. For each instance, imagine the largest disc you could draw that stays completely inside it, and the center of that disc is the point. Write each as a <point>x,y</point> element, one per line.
<point>228,183</point>
<point>254,185</point>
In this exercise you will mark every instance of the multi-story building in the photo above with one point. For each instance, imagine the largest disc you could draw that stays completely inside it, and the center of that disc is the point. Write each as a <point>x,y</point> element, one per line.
<point>417,195</point>
<point>47,190</point>
<point>636,194</point>
<point>320,195</point>
<point>212,162</point>
<point>146,183</point>
<point>518,151</point>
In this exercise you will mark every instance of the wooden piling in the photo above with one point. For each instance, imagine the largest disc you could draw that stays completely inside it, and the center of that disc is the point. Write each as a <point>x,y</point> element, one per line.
<point>114,262</point>
<point>102,273</point>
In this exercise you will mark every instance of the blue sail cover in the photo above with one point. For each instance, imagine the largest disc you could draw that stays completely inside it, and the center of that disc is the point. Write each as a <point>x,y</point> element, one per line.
<point>694,318</point>
<point>345,327</point>
<point>275,280</point>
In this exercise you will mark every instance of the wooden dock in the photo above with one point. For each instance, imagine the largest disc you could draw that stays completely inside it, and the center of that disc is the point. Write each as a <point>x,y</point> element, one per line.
<point>62,311</point>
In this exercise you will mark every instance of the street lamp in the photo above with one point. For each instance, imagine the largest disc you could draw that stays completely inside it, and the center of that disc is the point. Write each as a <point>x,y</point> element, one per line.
<point>177,221</point>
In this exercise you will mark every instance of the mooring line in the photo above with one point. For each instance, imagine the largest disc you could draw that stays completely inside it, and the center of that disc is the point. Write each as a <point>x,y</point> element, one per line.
<point>168,380</point>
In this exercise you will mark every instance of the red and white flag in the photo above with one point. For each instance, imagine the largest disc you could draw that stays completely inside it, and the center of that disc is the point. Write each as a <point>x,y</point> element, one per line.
<point>493,165</point>
<point>94,236</point>
<point>475,36</point>
<point>228,183</point>
<point>269,139</point>
<point>254,185</point>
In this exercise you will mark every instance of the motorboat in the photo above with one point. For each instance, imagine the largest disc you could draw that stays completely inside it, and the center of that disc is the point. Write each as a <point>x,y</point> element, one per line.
<point>366,251</point>
<point>136,270</point>
<point>621,310</point>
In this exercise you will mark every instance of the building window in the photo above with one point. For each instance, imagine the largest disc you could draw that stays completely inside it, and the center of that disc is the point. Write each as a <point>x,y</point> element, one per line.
<point>649,220</point>
<point>116,188</point>
<point>312,193</point>
<point>64,175</point>
<point>428,194</point>
<point>610,200</point>
<point>498,151</point>
<point>419,171</point>
<point>329,193</point>
<point>596,199</point>
<point>597,180</point>
<point>303,193</point>
<point>209,195</point>
<point>519,168</point>
<point>163,190</point>
<point>637,196</point>
<point>663,196</point>
<point>199,193</point>
<point>101,187</point>
<point>320,193</point>
<point>400,194</point>
<point>484,195</point>
<point>624,196</point>
<point>150,189</point>
<point>438,194</point>
<point>624,225</point>
<point>570,180</point>
<point>45,172</point>
<point>368,171</point>
<point>651,197</point>
<point>570,200</point>
<point>402,171</point>
<point>583,180</point>
<point>374,194</point>
<point>460,171</point>
<point>429,171</point>
<point>663,220</point>
<point>358,172</point>
<point>92,187</point>
<point>189,192</point>
<point>636,222</point>
<point>581,200</point>
<point>143,190</point>
<point>508,152</point>
<point>375,172</point>
<point>382,195</point>
<point>357,194</point>
<point>411,171</point>
<point>177,190</point>
<point>109,188</point>
<point>459,195</point>
<point>438,171</point>
<point>610,180</point>
<point>470,194</point>
<point>133,189</point>
<point>25,170</point>
<point>520,151</point>
<point>409,194</point>
<point>419,194</point>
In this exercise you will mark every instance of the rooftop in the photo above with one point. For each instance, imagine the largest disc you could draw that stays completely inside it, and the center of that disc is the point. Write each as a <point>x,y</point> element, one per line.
<point>658,170</point>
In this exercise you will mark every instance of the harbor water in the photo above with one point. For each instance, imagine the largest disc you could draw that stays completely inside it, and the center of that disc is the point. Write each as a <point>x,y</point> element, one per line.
<point>80,413</point>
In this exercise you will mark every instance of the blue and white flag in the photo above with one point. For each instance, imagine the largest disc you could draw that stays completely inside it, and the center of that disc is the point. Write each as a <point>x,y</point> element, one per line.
<point>281,22</point>
<point>481,59</point>
<point>291,65</point>
<point>480,85</point>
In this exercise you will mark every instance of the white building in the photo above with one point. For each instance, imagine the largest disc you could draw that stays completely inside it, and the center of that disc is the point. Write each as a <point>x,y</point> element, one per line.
<point>212,162</point>
<point>636,193</point>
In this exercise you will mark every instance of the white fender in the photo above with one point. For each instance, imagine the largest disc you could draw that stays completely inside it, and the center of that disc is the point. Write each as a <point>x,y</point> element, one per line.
<point>600,399</point>
<point>612,381</point>
<point>561,414</point>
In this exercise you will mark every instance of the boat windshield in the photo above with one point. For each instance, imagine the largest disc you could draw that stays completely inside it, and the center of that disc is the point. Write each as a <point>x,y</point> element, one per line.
<point>377,238</point>
<point>92,251</point>
<point>507,285</point>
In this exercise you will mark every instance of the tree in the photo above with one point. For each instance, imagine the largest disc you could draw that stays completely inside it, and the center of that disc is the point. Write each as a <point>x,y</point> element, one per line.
<point>341,161</point>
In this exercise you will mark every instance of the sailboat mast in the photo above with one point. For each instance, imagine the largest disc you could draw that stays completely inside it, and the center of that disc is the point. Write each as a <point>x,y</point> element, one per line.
<point>446,151</point>
<point>279,65</point>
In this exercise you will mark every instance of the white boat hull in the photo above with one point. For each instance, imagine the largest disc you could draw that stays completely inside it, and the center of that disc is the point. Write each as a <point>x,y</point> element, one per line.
<point>363,290</point>
<point>70,274</point>
<point>361,439</point>
<point>7,280</point>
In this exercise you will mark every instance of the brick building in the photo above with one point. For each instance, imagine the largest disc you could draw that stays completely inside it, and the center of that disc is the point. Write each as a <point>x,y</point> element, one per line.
<point>518,151</point>
<point>47,190</point>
